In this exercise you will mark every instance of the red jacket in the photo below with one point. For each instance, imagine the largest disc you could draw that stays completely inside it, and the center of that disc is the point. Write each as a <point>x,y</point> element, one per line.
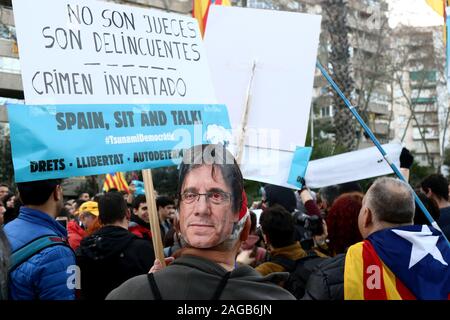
<point>140,231</point>
<point>75,234</point>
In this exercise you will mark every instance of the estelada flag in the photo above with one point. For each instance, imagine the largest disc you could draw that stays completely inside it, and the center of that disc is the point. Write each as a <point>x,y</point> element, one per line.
<point>201,10</point>
<point>117,181</point>
<point>404,263</point>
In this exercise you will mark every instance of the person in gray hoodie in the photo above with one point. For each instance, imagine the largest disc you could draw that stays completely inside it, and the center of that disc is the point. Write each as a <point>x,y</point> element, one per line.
<point>213,221</point>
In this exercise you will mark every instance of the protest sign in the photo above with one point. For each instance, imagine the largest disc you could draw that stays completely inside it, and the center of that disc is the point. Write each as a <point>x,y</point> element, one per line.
<point>102,66</point>
<point>282,49</point>
<point>299,166</point>
<point>350,166</point>
<point>93,52</point>
<point>60,141</point>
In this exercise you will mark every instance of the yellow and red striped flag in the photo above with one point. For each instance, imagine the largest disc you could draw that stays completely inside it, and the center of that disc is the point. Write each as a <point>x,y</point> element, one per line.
<point>201,10</point>
<point>117,181</point>
<point>366,277</point>
<point>438,6</point>
<point>402,263</point>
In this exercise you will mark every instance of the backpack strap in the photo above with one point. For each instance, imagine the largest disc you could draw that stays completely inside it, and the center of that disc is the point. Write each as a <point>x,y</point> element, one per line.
<point>154,286</point>
<point>25,252</point>
<point>157,293</point>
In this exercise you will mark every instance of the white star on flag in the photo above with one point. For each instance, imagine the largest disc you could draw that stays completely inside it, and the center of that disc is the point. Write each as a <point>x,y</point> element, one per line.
<point>423,243</point>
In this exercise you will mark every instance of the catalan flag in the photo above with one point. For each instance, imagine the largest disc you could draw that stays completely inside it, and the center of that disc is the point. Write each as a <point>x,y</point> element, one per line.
<point>201,10</point>
<point>117,181</point>
<point>438,6</point>
<point>404,263</point>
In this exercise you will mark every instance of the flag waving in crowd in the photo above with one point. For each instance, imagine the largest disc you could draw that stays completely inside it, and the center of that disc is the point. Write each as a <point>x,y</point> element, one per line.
<point>201,10</point>
<point>410,268</point>
<point>117,181</point>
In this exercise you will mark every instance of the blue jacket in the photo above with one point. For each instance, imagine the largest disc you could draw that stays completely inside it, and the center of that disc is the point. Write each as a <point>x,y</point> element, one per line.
<point>45,275</point>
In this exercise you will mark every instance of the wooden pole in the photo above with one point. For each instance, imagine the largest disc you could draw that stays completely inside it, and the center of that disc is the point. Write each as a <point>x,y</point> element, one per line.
<point>244,119</point>
<point>153,215</point>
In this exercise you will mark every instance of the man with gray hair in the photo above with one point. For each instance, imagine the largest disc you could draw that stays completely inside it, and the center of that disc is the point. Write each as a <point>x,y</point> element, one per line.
<point>397,260</point>
<point>213,221</point>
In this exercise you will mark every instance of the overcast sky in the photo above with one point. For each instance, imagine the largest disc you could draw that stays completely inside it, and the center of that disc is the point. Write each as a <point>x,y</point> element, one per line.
<point>412,12</point>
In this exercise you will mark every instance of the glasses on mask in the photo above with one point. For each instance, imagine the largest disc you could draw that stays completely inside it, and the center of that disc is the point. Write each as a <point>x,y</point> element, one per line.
<point>215,197</point>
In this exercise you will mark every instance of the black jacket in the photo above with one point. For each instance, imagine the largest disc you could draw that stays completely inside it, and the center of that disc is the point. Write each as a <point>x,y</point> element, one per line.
<point>327,281</point>
<point>109,257</point>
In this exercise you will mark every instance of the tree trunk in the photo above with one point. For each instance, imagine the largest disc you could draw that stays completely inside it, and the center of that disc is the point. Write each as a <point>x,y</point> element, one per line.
<point>339,63</point>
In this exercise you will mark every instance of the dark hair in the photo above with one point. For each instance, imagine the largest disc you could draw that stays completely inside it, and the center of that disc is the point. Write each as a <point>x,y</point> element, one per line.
<point>282,196</point>
<point>350,187</point>
<point>342,222</point>
<point>78,203</point>
<point>219,157</point>
<point>253,222</point>
<point>138,200</point>
<point>4,185</point>
<point>432,207</point>
<point>8,196</point>
<point>391,200</point>
<point>278,225</point>
<point>4,265</point>
<point>64,213</point>
<point>112,207</point>
<point>438,185</point>
<point>37,192</point>
<point>82,192</point>
<point>97,196</point>
<point>163,201</point>
<point>329,194</point>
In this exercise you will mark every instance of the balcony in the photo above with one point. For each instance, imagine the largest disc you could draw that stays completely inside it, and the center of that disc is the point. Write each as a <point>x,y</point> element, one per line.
<point>378,108</point>
<point>380,128</point>
<point>364,44</point>
<point>433,146</point>
<point>424,92</point>
<point>320,81</point>
<point>365,6</point>
<point>10,79</point>
<point>428,100</point>
<point>425,108</point>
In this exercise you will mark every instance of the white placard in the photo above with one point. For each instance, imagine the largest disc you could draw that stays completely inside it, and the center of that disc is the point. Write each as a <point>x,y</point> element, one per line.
<point>284,47</point>
<point>87,52</point>
<point>270,166</point>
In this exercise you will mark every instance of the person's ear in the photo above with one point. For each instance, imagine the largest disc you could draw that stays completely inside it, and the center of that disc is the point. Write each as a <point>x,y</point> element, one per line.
<point>367,218</point>
<point>246,231</point>
<point>427,192</point>
<point>57,193</point>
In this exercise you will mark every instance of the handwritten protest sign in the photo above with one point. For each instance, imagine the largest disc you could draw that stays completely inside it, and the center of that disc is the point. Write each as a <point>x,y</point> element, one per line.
<point>60,141</point>
<point>88,52</point>
<point>104,83</point>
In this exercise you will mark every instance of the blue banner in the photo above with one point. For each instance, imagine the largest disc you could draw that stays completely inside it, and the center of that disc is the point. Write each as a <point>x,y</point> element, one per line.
<point>299,165</point>
<point>59,141</point>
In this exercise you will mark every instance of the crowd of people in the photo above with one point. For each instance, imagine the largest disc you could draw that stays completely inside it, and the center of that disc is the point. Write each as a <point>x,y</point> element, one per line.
<point>334,244</point>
